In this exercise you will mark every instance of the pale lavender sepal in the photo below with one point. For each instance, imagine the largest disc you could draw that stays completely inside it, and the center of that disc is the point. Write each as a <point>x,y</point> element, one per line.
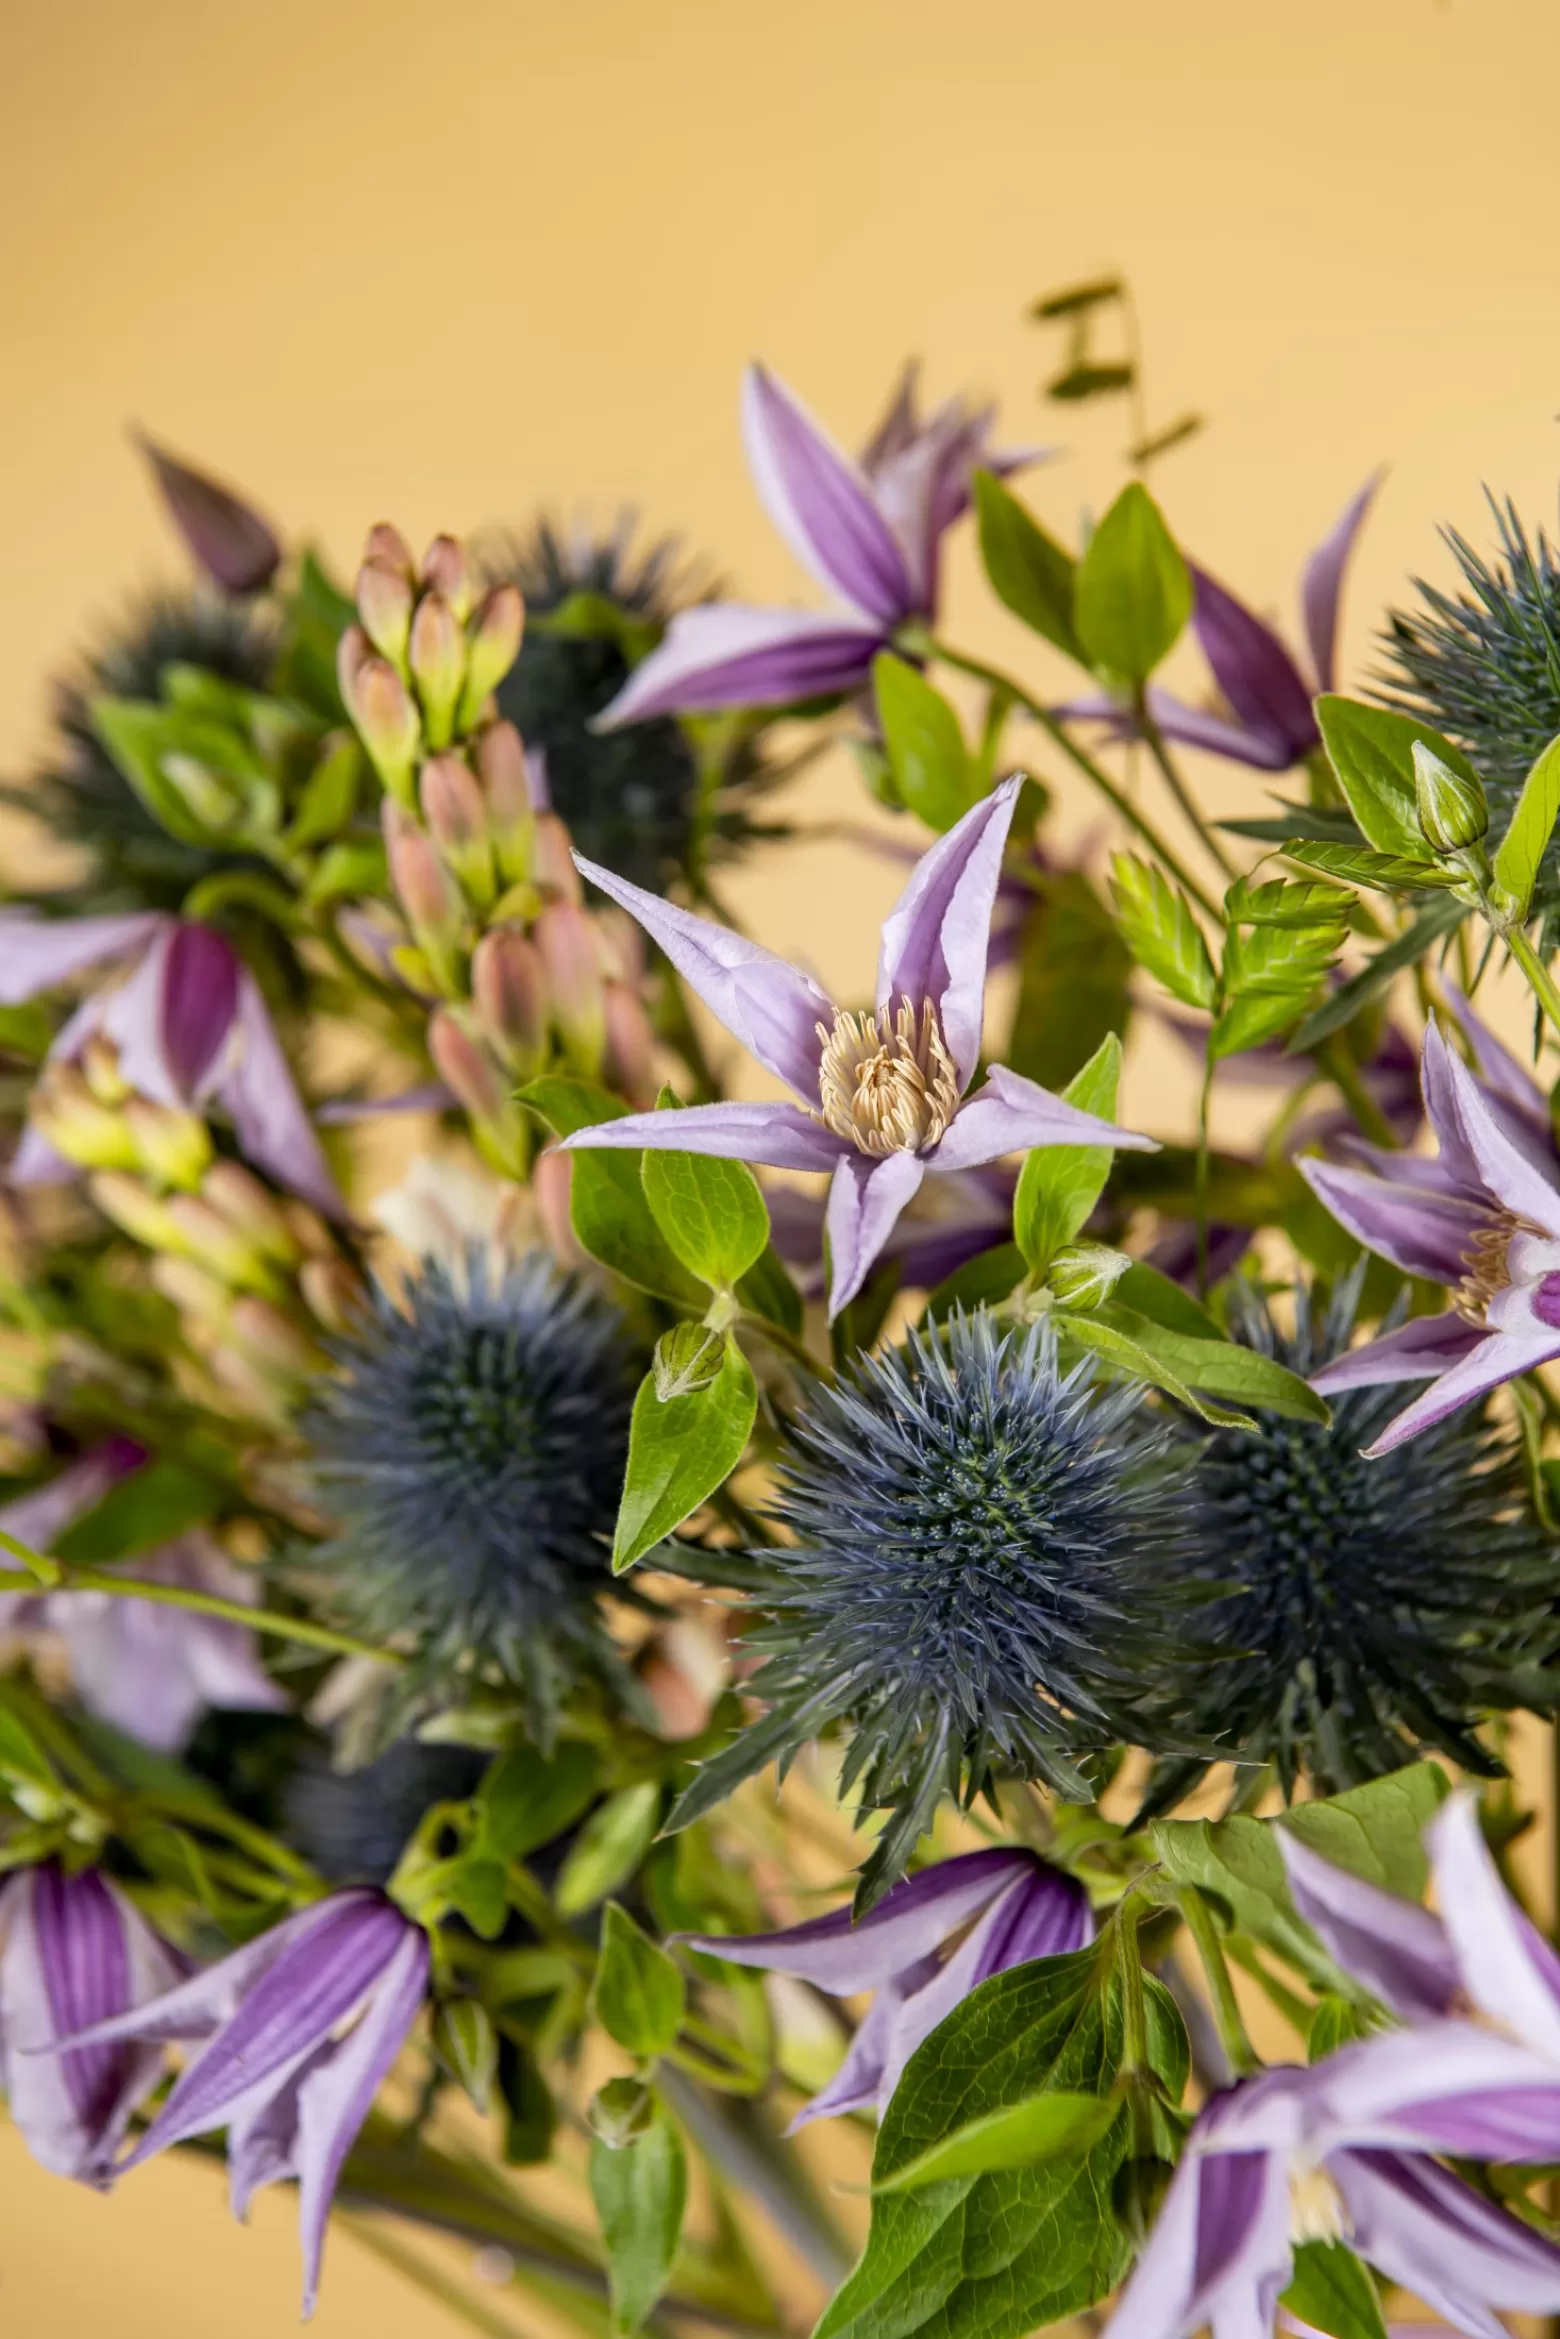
<point>765,1002</point>
<point>153,1671</point>
<point>1419,1350</point>
<point>1504,1075</point>
<point>780,1136</point>
<point>1396,1948</point>
<point>821,504</point>
<point>865,1198</point>
<point>935,937</point>
<point>1321,586</point>
<point>727,655</point>
<point>1188,726</point>
<point>860,2083</point>
<point>1434,2235</point>
<point>36,953</point>
<point>196,2006</point>
<point>1508,1969</point>
<point>1499,1357</point>
<point>1505,1168</point>
<point>344,1112</point>
<point>1010,1114</point>
<point>272,1124</point>
<point>1422,1232</point>
<point>1265,689</point>
<point>1456,1165</point>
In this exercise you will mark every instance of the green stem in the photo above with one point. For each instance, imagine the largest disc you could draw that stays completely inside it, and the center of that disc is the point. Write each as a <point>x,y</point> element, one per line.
<point>1191,810</point>
<point>1203,1102</point>
<point>1540,982</point>
<point>1085,763</point>
<point>1344,1074</point>
<point>430,2280</point>
<point>1226,2009</point>
<point>266,1620</point>
<point>787,1343</point>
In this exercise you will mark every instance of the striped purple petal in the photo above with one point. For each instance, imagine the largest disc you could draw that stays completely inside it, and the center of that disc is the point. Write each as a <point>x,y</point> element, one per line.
<point>1321,587</point>
<point>1265,689</point>
<point>822,504</point>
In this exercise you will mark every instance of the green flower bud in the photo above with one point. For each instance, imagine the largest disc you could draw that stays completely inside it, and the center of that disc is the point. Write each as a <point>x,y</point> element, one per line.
<point>1453,813</point>
<point>687,1358</point>
<point>467,2045</point>
<point>1085,1274</point>
<point>171,1145</point>
<point>493,645</point>
<point>621,2112</point>
<point>436,653</point>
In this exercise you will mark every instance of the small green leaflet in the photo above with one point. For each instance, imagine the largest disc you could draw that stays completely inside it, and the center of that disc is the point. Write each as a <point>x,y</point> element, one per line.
<point>1059,1185</point>
<point>607,1205</point>
<point>641,2192</point>
<point>1222,1367</point>
<point>608,1848</point>
<point>144,740</point>
<point>926,751</point>
<point>1020,2135</point>
<point>1359,865</point>
<point>1523,846</point>
<point>1333,2292</point>
<point>1132,594</point>
<point>1271,971</point>
<point>1162,932</point>
<point>1372,751</point>
<point>710,1212</point>
<point>527,1798</point>
<point>680,1449</point>
<point>1027,570</point>
<point>639,1991</point>
<point>1138,1362</point>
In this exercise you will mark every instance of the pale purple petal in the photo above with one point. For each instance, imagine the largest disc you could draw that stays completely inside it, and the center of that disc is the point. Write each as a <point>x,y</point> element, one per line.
<point>1264,688</point>
<point>199,1002</point>
<point>865,1198</point>
<point>841,1956</point>
<point>728,655</point>
<point>1397,1949</point>
<point>269,1117</point>
<point>129,1014</point>
<point>39,1517</point>
<point>859,2082</point>
<point>1428,2231</point>
<point>225,535</point>
<point>935,937</point>
<point>1507,1967</point>
<point>1457,1166</point>
<point>262,2138</point>
<point>765,1002</point>
<point>1504,1167</point>
<point>781,1136</point>
<point>1010,1114</point>
<point>1423,1233</point>
<point>1419,1350</point>
<point>1502,1073</point>
<point>821,503</point>
<point>1500,1356</point>
<point>36,1163</point>
<point>199,2005</point>
<point>36,954</point>
<point>1322,584</point>
<point>153,1671</point>
<point>1188,726</point>
<point>899,425</point>
<point>343,1112</point>
<point>1157,2302</point>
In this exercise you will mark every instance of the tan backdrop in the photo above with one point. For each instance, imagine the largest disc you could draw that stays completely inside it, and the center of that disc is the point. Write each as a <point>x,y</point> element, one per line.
<point>443,264</point>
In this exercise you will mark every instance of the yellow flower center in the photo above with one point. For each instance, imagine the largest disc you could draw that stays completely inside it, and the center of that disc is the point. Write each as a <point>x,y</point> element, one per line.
<point>1316,2207</point>
<point>1485,1272</point>
<point>886,1081</point>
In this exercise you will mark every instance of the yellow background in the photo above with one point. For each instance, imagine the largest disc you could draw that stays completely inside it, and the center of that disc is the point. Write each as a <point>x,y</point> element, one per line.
<point>444,263</point>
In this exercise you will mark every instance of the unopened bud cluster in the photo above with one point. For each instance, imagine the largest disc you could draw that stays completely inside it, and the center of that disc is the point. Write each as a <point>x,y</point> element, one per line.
<point>519,974</point>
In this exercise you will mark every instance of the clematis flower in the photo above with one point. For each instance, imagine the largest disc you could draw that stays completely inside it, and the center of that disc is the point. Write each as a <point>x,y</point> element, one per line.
<point>882,1091</point>
<point>1016,1906</point>
<point>1482,1216</point>
<point>73,1952</point>
<point>301,2027</point>
<point>869,533</point>
<point>1328,2155</point>
<point>151,1671</point>
<point>189,1025</point>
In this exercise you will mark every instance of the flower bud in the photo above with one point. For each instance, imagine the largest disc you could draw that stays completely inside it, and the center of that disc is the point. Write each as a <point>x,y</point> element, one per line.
<point>382,708</point>
<point>252,1208</point>
<point>78,1124</point>
<point>552,1180</point>
<point>566,940</point>
<point>205,1235</point>
<point>687,1358</point>
<point>467,2045</point>
<point>170,1144</point>
<point>307,1228</point>
<point>193,1292</point>
<point>223,532</point>
<point>630,1045</point>
<point>384,603</point>
<point>446,570</point>
<point>492,646</point>
<point>1453,813</point>
<point>271,1342</point>
<point>436,653</point>
<point>453,807</point>
<point>552,864</point>
<point>141,1216</point>
<point>100,1069</point>
<point>511,815</point>
<point>510,991</point>
<point>477,1078</point>
<point>389,548</point>
<point>426,890</point>
<point>332,1292</point>
<point>621,2112</point>
<point>1085,1274</point>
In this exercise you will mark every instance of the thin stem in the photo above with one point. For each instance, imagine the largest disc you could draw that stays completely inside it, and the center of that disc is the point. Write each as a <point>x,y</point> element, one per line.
<point>1085,763</point>
<point>1344,1074</point>
<point>778,1337</point>
<point>1191,810</point>
<point>1226,2008</point>
<point>1203,1102</point>
<point>430,2280</point>
<point>1540,982</point>
<point>266,1620</point>
<point>1129,1967</point>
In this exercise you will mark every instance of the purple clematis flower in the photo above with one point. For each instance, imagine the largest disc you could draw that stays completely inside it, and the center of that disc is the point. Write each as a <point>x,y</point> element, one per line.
<point>151,1671</point>
<point>74,1952</point>
<point>302,2026</point>
<point>189,1025</point>
<point>1482,1217</point>
<point>1332,2154</point>
<point>1016,1906</point>
<point>882,1091</point>
<point>870,533</point>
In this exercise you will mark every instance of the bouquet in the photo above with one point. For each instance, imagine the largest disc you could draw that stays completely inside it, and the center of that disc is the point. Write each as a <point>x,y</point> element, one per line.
<point>741,1645</point>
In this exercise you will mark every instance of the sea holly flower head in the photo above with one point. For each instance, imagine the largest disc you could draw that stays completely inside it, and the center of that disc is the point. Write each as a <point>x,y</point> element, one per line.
<point>1001,1907</point>
<point>869,533</point>
<point>881,1093</point>
<point>1482,1217</point>
<point>187,1025</point>
<point>300,2027</point>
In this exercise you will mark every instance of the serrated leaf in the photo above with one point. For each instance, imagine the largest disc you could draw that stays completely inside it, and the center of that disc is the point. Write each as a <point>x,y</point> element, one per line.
<point>1221,1368</point>
<point>1028,570</point>
<point>710,1213</point>
<point>1162,931</point>
<point>608,1848</point>
<point>1532,825</point>
<point>1372,751</point>
<point>680,1449</point>
<point>1331,2291</point>
<point>1359,865</point>
<point>1021,2135</point>
<point>608,1211</point>
<point>641,2194</point>
<point>1059,1185</point>
<point>926,751</point>
<point>1280,901</point>
<point>639,1991</point>
<point>1133,593</point>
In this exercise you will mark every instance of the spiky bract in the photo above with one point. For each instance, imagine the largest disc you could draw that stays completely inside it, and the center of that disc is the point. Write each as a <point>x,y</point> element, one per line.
<point>630,798</point>
<point>979,1540</point>
<point>1375,1610</point>
<point>471,1452</point>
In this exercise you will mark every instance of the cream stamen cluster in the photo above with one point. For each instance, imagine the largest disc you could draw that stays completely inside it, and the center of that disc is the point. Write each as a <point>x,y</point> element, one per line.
<point>1486,1262</point>
<point>886,1081</point>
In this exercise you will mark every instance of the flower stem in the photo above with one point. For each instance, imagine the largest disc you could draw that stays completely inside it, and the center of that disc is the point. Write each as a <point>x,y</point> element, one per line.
<point>1085,763</point>
<point>1540,981</point>
<point>1226,2009</point>
<point>1191,811</point>
<point>266,1620</point>
<point>1203,1102</point>
<point>1344,1074</point>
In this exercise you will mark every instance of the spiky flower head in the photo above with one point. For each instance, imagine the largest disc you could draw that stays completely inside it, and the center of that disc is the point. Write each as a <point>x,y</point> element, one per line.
<point>629,798</point>
<point>471,1453</point>
<point>973,1589</point>
<point>1367,1612</point>
<point>1483,664</point>
<point>355,1824</point>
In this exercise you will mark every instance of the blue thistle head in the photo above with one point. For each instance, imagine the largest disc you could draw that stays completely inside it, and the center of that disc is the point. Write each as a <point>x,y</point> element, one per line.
<point>1362,1613</point>
<point>630,798</point>
<point>353,1825</point>
<point>471,1453</point>
<point>979,1537</point>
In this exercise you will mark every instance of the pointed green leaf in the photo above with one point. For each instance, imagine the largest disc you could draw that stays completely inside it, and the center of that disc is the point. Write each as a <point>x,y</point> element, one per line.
<point>608,1848</point>
<point>1021,2135</point>
<point>1136,1360</point>
<point>527,1798</point>
<point>608,1210</point>
<point>1222,1367</point>
<point>1372,751</point>
<point>680,1449</point>
<point>1523,846</point>
<point>1331,2291</point>
<point>926,751</point>
<point>1133,593</point>
<point>639,1991</point>
<point>1059,1185</point>
<point>641,2193</point>
<point>710,1213</point>
<point>1027,569</point>
<point>1428,929</point>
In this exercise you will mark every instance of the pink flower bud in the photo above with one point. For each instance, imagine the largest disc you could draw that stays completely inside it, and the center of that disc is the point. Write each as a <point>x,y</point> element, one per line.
<point>553,863</point>
<point>436,653</point>
<point>492,646</point>
<point>510,990</point>
<point>457,818</point>
<point>446,570</point>
<point>566,942</point>
<point>630,1056</point>
<point>270,1343</point>
<point>332,1293</point>
<point>389,547</point>
<point>426,890</point>
<point>551,1184</point>
<point>384,603</point>
<point>511,818</point>
<point>239,1197</point>
<point>382,708</point>
<point>466,1066</point>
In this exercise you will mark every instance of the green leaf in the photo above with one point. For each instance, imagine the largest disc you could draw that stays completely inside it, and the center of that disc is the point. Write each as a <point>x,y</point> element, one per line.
<point>711,1213</point>
<point>680,1449</point>
<point>1161,930</point>
<point>1138,1362</point>
<point>1358,992</point>
<point>1333,2292</point>
<point>1022,2135</point>
<point>979,1283</point>
<point>151,1506</point>
<point>1221,1367</point>
<point>767,1290</point>
<point>1523,846</point>
<point>1372,751</point>
<point>1073,977</point>
<point>999,2253</point>
<point>608,1848</point>
<point>1359,865</point>
<point>1272,972</point>
<point>1149,1293</point>
<point>1335,2023</point>
<point>22,1759</point>
<point>926,750</point>
<point>639,1991</point>
<point>330,794</point>
<point>608,1210</point>
<point>356,865</point>
<point>1028,570</point>
<point>139,737</point>
<point>641,2192</point>
<point>1133,594</point>
<point>26,1031</point>
<point>1059,1185</point>
<point>527,1798</point>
